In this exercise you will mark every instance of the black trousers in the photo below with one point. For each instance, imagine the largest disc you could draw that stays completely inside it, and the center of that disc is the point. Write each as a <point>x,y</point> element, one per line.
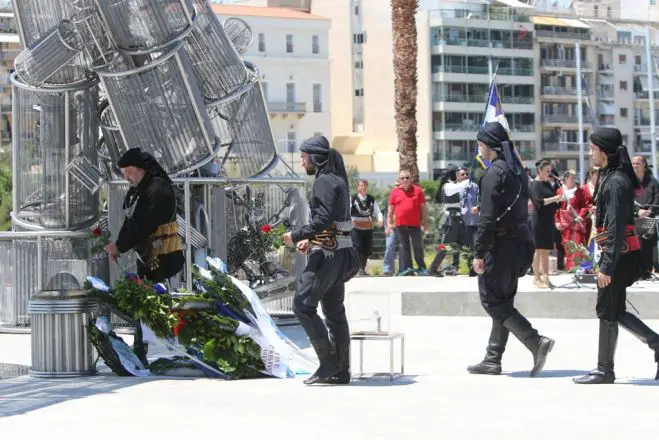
<point>648,248</point>
<point>611,299</point>
<point>407,235</point>
<point>560,250</point>
<point>464,237</point>
<point>323,281</point>
<point>362,240</point>
<point>497,286</point>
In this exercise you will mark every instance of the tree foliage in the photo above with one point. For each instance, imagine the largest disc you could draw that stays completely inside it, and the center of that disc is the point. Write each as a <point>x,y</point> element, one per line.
<point>5,192</point>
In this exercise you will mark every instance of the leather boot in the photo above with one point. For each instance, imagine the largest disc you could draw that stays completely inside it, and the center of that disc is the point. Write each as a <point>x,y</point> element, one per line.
<point>538,345</point>
<point>491,363</point>
<point>328,362</point>
<point>645,334</point>
<point>343,359</point>
<point>436,262</point>
<point>608,339</point>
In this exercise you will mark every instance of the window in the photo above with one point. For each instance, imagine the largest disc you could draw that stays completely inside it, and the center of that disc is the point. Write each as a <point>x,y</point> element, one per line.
<point>356,9</point>
<point>623,112</point>
<point>625,139</point>
<point>261,42</point>
<point>609,13</point>
<point>290,96</point>
<point>318,133</point>
<point>637,60</point>
<point>358,38</point>
<point>623,85</point>
<point>291,142</point>
<point>359,92</point>
<point>595,11</point>
<point>359,64</point>
<point>622,59</point>
<point>317,98</point>
<point>289,43</point>
<point>315,45</point>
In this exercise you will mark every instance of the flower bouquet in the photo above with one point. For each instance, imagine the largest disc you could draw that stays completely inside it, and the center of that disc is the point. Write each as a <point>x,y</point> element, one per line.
<point>221,327</point>
<point>585,263</point>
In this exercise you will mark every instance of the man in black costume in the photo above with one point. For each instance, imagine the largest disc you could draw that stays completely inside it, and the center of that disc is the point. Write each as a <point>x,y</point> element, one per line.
<point>332,262</point>
<point>619,264</point>
<point>150,227</point>
<point>646,206</point>
<point>364,211</point>
<point>504,250</point>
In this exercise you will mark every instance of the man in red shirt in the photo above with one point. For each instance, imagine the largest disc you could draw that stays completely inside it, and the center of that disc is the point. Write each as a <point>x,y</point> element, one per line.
<point>407,204</point>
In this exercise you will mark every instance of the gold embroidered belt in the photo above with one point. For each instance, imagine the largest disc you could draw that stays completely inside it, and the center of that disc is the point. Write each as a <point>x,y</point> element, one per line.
<point>164,241</point>
<point>332,238</point>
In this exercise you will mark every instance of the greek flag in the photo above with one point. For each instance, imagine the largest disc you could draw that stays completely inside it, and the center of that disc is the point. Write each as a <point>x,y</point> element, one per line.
<point>593,250</point>
<point>493,113</point>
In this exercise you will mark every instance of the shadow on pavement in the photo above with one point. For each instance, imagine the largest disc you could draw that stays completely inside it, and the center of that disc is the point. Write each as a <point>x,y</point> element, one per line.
<point>25,394</point>
<point>549,373</point>
<point>383,381</point>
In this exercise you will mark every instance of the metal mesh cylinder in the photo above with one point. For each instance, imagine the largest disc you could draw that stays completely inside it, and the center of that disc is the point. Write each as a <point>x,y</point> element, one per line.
<point>142,26</point>
<point>113,142</point>
<point>159,110</point>
<point>240,34</point>
<point>215,62</point>
<point>36,64</point>
<point>51,127</point>
<point>94,35</point>
<point>35,19</point>
<point>252,147</point>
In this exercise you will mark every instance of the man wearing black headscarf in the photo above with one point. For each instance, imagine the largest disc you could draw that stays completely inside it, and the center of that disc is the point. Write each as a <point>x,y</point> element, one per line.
<point>504,250</point>
<point>150,227</point>
<point>332,262</point>
<point>619,264</point>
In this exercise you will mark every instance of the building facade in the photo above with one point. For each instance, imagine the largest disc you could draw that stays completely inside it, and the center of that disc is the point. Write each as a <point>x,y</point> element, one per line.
<point>10,47</point>
<point>291,52</point>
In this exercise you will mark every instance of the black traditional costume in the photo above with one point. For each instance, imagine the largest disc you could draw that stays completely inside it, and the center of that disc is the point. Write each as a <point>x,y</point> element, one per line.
<point>332,262</point>
<point>150,226</point>
<point>620,257</point>
<point>364,210</point>
<point>504,242</point>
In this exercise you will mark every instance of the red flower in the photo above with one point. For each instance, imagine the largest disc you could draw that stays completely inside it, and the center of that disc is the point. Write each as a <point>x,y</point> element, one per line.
<point>266,229</point>
<point>180,325</point>
<point>441,247</point>
<point>96,232</point>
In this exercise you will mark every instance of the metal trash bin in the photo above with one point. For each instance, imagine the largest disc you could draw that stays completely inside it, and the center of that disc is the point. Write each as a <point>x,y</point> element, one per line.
<point>61,347</point>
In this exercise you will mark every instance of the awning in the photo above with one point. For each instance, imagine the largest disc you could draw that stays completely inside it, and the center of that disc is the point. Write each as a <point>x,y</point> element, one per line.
<point>514,4</point>
<point>573,22</point>
<point>547,21</point>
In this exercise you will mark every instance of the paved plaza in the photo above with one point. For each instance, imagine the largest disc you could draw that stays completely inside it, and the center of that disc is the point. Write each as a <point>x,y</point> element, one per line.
<point>435,399</point>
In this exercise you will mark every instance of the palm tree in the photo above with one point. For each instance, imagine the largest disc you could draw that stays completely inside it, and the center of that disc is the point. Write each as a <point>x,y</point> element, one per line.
<point>405,49</point>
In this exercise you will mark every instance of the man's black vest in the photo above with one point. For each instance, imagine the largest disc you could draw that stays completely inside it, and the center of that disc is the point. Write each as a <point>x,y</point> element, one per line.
<point>362,208</point>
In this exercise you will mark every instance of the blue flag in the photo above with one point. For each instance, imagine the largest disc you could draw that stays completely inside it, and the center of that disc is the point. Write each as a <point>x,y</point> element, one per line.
<point>493,113</point>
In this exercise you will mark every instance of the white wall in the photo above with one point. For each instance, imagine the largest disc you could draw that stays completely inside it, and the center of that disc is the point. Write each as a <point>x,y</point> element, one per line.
<point>302,68</point>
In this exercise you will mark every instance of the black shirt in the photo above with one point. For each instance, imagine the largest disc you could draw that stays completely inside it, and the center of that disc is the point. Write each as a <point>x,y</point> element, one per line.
<point>650,195</point>
<point>330,203</point>
<point>504,198</point>
<point>543,215</point>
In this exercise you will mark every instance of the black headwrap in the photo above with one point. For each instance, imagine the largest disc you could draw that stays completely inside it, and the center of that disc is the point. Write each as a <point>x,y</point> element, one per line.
<point>495,136</point>
<point>609,140</point>
<point>140,159</point>
<point>325,158</point>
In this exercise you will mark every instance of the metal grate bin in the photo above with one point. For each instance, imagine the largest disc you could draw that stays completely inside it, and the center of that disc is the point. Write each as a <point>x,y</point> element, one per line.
<point>61,347</point>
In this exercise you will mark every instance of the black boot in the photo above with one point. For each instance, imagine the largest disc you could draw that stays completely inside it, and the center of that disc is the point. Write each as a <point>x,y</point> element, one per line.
<point>608,339</point>
<point>328,362</point>
<point>343,358</point>
<point>538,345</point>
<point>491,363</point>
<point>436,262</point>
<point>645,334</point>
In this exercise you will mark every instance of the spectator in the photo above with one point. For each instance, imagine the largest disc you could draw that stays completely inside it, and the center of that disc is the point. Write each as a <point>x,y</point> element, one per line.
<point>544,198</point>
<point>407,205</point>
<point>572,218</point>
<point>364,210</point>
<point>649,207</point>
<point>391,241</point>
<point>555,183</point>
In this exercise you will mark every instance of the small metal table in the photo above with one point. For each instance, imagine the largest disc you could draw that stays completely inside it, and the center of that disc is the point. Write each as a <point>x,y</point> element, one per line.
<point>362,336</point>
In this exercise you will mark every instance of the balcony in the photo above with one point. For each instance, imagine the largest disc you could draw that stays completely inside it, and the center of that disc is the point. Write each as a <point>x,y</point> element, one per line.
<point>562,35</point>
<point>500,15</point>
<point>521,128</point>
<point>560,119</point>
<point>606,120</point>
<point>480,70</point>
<point>605,94</point>
<point>562,64</point>
<point>641,121</point>
<point>287,107</point>
<point>495,44</point>
<point>464,126</point>
<point>549,90</point>
<point>463,98</point>
<point>559,146</point>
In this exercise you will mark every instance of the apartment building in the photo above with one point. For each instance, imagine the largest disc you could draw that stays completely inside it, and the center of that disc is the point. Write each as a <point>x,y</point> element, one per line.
<point>291,51</point>
<point>10,47</point>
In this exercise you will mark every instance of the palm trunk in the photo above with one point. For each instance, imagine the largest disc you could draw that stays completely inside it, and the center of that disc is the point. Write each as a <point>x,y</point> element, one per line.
<point>403,20</point>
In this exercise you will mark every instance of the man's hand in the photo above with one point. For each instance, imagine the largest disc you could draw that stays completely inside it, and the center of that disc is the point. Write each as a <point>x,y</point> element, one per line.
<point>287,238</point>
<point>603,280</point>
<point>111,249</point>
<point>303,246</point>
<point>474,210</point>
<point>425,228</point>
<point>479,265</point>
<point>559,227</point>
<point>643,213</point>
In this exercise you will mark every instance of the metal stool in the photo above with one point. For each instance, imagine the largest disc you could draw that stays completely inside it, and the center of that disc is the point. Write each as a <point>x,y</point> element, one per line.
<point>362,336</point>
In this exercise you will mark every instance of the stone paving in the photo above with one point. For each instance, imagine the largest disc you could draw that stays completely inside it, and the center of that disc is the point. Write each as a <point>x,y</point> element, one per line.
<point>436,398</point>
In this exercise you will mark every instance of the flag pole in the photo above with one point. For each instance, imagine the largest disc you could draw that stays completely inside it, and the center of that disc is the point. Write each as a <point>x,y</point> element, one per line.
<point>582,153</point>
